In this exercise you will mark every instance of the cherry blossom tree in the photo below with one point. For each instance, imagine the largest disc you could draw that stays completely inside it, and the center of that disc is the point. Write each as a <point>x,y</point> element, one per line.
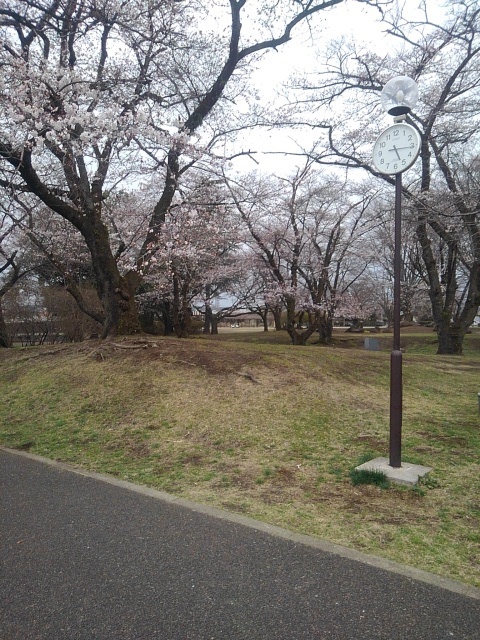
<point>63,261</point>
<point>303,229</point>
<point>51,255</point>
<point>359,303</point>
<point>336,256</point>
<point>413,277</point>
<point>192,261</point>
<point>273,242</point>
<point>96,93</point>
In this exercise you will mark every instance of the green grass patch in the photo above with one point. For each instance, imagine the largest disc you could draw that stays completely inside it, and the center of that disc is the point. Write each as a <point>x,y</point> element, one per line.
<point>369,476</point>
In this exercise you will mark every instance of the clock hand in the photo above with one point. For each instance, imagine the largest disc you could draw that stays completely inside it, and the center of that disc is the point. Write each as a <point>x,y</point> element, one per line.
<point>396,151</point>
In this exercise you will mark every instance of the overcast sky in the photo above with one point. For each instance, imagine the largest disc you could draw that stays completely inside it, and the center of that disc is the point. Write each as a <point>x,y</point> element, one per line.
<point>350,20</point>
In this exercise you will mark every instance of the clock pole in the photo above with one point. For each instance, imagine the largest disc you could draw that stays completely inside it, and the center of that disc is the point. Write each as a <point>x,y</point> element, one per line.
<point>396,150</point>
<point>396,391</point>
<point>398,97</point>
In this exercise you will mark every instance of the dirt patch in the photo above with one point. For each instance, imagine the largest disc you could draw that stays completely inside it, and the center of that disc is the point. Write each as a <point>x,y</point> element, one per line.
<point>131,447</point>
<point>193,459</point>
<point>215,359</point>
<point>284,476</point>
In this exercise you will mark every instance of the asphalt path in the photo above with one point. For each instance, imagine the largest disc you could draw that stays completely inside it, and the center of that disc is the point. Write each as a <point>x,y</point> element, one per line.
<point>89,558</point>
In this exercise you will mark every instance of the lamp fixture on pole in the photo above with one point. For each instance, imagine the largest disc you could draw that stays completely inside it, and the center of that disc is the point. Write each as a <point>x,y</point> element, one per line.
<point>399,96</point>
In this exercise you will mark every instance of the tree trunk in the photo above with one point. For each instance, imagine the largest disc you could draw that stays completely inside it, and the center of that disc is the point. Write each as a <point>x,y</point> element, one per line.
<point>265,321</point>
<point>207,326</point>
<point>299,337</point>
<point>181,311</point>
<point>121,314</point>
<point>116,293</point>
<point>147,320</point>
<point>277,318</point>
<point>296,337</point>
<point>177,323</point>
<point>325,328</point>
<point>186,312</point>
<point>291,318</point>
<point>450,339</point>
<point>214,328</point>
<point>167,319</point>
<point>5,340</point>
<point>450,331</point>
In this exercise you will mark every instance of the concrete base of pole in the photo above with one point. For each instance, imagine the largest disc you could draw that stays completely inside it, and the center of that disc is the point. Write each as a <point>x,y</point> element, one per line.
<point>408,474</point>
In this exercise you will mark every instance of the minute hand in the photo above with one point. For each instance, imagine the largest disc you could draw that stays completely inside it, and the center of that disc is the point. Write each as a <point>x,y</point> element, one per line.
<point>399,148</point>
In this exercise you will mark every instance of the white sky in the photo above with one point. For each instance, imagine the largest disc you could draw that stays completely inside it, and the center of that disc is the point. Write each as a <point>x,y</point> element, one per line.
<point>350,20</point>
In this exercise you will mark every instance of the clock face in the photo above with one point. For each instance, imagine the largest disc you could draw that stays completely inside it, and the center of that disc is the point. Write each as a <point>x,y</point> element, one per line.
<point>396,148</point>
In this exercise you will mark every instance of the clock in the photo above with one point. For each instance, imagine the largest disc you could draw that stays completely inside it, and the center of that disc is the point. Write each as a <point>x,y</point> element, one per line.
<point>396,148</point>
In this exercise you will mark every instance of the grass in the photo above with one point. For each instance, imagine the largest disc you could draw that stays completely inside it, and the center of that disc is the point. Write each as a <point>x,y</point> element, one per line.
<point>248,423</point>
<point>368,476</point>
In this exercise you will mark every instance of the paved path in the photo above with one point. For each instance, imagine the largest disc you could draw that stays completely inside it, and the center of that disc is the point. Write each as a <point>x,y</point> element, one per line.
<point>89,559</point>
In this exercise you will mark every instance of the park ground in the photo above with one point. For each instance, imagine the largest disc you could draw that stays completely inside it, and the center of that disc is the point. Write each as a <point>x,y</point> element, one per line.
<point>248,423</point>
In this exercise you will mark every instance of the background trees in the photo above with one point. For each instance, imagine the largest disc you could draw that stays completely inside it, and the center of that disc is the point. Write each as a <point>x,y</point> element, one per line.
<point>115,116</point>
<point>444,59</point>
<point>305,232</point>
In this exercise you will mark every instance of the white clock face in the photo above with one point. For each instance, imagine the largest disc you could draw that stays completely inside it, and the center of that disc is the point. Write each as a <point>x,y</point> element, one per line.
<point>396,149</point>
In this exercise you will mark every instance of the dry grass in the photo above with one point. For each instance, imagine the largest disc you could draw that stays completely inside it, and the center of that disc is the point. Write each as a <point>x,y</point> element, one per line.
<point>266,429</point>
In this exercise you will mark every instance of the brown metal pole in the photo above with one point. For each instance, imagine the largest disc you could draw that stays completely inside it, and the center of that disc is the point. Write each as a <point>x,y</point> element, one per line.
<point>396,355</point>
